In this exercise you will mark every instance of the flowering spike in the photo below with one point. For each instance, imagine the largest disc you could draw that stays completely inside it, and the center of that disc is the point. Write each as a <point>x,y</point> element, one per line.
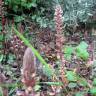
<point>60,40</point>
<point>29,68</point>
<point>59,29</point>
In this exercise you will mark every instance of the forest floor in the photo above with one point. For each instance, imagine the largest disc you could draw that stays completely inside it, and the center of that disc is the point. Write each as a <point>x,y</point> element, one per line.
<point>43,39</point>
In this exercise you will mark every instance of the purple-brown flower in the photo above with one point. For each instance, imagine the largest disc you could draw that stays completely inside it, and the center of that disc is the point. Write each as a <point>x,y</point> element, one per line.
<point>59,29</point>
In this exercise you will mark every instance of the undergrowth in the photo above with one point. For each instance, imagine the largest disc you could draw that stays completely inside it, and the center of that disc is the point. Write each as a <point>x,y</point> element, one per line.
<point>59,76</point>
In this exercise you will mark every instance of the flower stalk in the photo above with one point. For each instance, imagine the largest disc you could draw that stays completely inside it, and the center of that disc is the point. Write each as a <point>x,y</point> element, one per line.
<point>59,35</point>
<point>60,41</point>
<point>28,71</point>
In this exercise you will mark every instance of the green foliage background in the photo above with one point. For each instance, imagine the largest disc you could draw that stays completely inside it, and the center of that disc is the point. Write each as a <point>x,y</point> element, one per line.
<point>42,11</point>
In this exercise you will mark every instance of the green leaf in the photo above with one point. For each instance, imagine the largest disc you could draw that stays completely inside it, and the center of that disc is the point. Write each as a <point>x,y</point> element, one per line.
<point>0,27</point>
<point>1,57</point>
<point>37,87</point>
<point>81,50</point>
<point>82,45</point>
<point>72,85</point>
<point>68,50</point>
<point>17,2</point>
<point>23,3</point>
<point>53,83</point>
<point>15,8</point>
<point>47,70</point>
<point>1,46</point>
<point>11,58</point>
<point>94,81</point>
<point>33,17</point>
<point>67,56</point>
<point>29,5</point>
<point>18,18</point>
<point>1,37</point>
<point>1,92</point>
<point>82,82</point>
<point>83,54</point>
<point>71,76</point>
<point>93,91</point>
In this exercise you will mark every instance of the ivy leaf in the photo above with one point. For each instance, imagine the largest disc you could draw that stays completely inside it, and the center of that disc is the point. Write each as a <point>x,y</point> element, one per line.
<point>71,76</point>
